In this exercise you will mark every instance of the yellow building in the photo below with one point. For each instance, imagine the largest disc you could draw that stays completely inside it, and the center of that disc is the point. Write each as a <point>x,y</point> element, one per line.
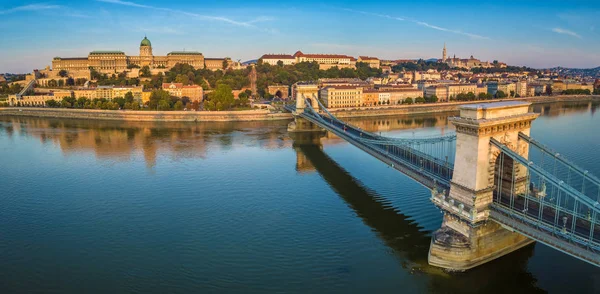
<point>85,93</point>
<point>455,89</point>
<point>111,92</point>
<point>370,97</point>
<point>146,96</point>
<point>118,61</point>
<point>440,91</point>
<point>521,88</point>
<point>342,96</point>
<point>327,61</point>
<point>273,59</point>
<point>508,88</point>
<point>193,92</point>
<point>179,90</point>
<point>371,61</point>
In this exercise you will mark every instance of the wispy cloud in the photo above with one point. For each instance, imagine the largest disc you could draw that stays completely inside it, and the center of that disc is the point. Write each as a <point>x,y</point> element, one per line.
<point>126,3</point>
<point>421,23</point>
<point>30,7</point>
<point>374,14</point>
<point>248,24</point>
<point>159,30</point>
<point>566,32</point>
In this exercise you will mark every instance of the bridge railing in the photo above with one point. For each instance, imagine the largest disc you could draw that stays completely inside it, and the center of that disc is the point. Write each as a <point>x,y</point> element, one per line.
<point>435,148</point>
<point>435,169</point>
<point>563,168</point>
<point>544,201</point>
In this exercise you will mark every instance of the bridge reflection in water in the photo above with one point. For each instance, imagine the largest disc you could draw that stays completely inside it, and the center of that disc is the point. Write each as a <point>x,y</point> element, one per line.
<point>409,242</point>
<point>477,194</point>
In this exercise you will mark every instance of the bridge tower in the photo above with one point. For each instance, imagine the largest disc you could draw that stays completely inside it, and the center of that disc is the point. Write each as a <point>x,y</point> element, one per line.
<point>467,238</point>
<point>304,92</point>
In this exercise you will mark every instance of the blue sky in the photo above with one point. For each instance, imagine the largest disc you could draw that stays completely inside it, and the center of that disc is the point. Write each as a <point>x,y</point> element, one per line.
<point>532,33</point>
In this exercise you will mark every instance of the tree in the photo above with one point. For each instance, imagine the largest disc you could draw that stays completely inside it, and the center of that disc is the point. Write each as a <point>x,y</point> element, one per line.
<point>120,101</point>
<point>129,97</point>
<point>512,93</point>
<point>431,99</point>
<point>51,103</point>
<point>145,72</point>
<point>408,101</point>
<point>419,100</point>
<point>81,101</point>
<point>280,63</point>
<point>61,83</point>
<point>178,105</point>
<point>163,105</point>
<point>68,102</point>
<point>52,83</point>
<point>195,105</point>
<point>221,98</point>
<point>225,64</point>
<point>156,97</point>
<point>63,73</point>
<point>500,94</point>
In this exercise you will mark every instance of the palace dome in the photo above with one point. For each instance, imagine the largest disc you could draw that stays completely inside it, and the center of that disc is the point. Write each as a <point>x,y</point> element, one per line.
<point>146,42</point>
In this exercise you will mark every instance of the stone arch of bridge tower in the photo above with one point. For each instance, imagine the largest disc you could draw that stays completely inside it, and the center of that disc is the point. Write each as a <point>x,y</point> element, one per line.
<point>519,172</point>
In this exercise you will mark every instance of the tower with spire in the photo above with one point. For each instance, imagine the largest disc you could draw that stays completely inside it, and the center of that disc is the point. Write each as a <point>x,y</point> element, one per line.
<point>444,53</point>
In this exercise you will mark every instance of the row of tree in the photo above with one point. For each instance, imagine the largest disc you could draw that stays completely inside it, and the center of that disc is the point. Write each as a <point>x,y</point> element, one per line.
<point>579,92</point>
<point>14,88</point>
<point>481,96</point>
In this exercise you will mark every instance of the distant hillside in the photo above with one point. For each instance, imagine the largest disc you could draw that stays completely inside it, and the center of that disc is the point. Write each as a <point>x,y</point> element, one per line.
<point>593,72</point>
<point>253,61</point>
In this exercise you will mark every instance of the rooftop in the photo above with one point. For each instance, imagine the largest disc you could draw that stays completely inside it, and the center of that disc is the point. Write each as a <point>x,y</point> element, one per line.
<point>184,53</point>
<point>106,52</point>
<point>496,105</point>
<point>277,56</point>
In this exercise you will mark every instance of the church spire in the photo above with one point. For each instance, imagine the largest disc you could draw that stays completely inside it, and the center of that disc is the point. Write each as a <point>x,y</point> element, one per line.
<point>444,53</point>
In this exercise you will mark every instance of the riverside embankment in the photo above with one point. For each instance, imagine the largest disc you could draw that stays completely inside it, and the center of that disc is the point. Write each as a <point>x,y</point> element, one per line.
<point>445,107</point>
<point>159,116</point>
<point>256,115</point>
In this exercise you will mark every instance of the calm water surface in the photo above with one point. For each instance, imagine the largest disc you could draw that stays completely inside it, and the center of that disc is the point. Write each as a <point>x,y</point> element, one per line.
<point>107,207</point>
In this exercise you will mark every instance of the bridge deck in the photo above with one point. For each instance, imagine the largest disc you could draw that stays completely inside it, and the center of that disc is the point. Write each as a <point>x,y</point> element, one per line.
<point>425,170</point>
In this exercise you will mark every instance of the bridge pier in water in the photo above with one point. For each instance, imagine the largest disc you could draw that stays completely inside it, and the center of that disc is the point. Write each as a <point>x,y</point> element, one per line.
<point>467,237</point>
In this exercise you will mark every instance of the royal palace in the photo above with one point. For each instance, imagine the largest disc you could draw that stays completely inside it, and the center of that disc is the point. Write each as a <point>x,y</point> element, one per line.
<point>117,61</point>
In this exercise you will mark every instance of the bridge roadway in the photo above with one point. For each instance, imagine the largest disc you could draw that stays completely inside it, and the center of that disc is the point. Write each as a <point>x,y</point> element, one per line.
<point>425,169</point>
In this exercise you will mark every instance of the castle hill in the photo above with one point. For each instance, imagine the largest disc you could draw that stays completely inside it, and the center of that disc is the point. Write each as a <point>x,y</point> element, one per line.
<point>284,147</point>
<point>188,81</point>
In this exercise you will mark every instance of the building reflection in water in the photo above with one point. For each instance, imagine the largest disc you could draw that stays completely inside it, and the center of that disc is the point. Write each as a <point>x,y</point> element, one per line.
<point>120,140</point>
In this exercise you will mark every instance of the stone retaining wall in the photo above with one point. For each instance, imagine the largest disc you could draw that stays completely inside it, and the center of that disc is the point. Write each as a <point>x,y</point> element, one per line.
<point>166,116</point>
<point>256,115</point>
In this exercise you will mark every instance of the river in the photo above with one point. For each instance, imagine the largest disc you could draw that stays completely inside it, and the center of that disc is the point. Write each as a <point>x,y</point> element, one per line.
<point>110,207</point>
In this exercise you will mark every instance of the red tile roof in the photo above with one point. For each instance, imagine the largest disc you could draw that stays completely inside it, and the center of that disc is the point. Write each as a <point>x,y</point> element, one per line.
<point>300,54</point>
<point>368,58</point>
<point>166,85</point>
<point>277,56</point>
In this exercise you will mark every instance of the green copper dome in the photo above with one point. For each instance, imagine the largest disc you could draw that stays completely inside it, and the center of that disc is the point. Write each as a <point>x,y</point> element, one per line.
<point>146,42</point>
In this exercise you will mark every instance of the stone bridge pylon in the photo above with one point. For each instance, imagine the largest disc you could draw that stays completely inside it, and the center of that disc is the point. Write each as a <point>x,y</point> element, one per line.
<point>467,237</point>
<point>304,92</point>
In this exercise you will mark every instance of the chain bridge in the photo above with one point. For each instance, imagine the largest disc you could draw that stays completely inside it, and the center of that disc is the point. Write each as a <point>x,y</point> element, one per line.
<point>499,188</point>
